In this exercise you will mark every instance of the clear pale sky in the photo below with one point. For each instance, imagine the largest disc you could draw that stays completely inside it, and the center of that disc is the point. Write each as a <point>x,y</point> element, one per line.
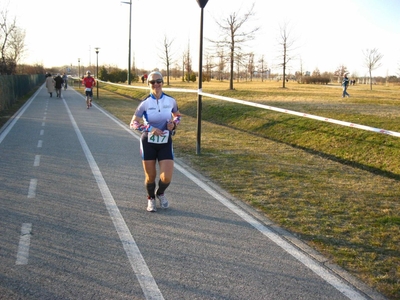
<point>326,34</point>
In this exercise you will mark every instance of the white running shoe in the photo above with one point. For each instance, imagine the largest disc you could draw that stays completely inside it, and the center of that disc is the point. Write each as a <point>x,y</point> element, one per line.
<point>163,201</point>
<point>151,205</point>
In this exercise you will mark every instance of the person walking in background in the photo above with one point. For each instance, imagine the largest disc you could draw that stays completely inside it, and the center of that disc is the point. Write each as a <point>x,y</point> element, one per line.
<point>345,84</point>
<point>157,117</point>
<point>89,82</point>
<point>50,84</point>
<point>65,80</point>
<point>58,84</point>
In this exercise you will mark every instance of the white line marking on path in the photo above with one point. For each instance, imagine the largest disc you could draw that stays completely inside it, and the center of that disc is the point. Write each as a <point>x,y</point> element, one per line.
<point>39,144</point>
<point>41,132</point>
<point>37,161</point>
<point>32,188</point>
<point>138,264</point>
<point>23,246</point>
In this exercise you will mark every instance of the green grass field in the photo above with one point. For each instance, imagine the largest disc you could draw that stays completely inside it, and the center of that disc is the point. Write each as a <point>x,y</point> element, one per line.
<point>337,188</point>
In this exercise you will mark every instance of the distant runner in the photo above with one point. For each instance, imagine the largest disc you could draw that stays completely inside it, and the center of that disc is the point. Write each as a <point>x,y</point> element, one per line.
<point>89,82</point>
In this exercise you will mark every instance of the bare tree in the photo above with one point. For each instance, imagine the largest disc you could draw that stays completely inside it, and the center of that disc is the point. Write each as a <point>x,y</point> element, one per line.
<point>209,65</point>
<point>187,64</point>
<point>238,62</point>
<point>372,62</point>
<point>17,44</point>
<point>234,37</point>
<point>183,65</point>
<point>340,72</point>
<point>221,64</point>
<point>398,69</point>
<point>286,42</point>
<point>11,44</point>
<point>176,70</point>
<point>251,68</point>
<point>262,67</point>
<point>167,56</point>
<point>299,74</point>
<point>316,73</point>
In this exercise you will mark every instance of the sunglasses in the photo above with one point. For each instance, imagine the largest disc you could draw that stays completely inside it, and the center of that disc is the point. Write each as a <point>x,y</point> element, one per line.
<point>155,81</point>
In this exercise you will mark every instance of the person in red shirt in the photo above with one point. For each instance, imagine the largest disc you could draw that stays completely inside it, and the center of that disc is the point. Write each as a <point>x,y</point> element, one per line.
<point>89,82</point>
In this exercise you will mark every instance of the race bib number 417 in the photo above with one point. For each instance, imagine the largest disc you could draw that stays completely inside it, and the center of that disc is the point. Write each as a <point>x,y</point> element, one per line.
<point>158,139</point>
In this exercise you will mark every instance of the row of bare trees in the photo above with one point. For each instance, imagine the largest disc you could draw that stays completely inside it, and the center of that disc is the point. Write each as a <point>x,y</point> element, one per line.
<point>229,51</point>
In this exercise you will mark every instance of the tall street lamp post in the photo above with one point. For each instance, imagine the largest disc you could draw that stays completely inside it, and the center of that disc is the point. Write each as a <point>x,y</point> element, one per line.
<point>202,4</point>
<point>97,70</point>
<point>79,71</point>
<point>130,26</point>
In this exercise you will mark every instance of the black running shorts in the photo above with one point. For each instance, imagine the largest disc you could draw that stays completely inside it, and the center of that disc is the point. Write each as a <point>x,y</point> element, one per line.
<point>151,151</point>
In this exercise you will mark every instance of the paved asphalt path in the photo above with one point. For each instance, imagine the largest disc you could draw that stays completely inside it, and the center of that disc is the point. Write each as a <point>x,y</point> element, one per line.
<point>74,225</point>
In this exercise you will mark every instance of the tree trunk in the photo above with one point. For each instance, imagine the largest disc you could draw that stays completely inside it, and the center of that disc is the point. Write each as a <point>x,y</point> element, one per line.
<point>370,79</point>
<point>284,66</point>
<point>231,69</point>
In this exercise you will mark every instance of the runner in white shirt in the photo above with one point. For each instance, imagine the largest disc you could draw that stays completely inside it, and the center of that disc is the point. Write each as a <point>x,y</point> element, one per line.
<point>156,117</point>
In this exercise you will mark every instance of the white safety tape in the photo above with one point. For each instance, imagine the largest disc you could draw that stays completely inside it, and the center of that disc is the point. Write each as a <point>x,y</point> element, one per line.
<point>282,110</point>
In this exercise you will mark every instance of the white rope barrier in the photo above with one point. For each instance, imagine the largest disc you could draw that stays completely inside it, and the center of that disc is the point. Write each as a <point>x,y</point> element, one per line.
<point>282,110</point>
<point>287,111</point>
